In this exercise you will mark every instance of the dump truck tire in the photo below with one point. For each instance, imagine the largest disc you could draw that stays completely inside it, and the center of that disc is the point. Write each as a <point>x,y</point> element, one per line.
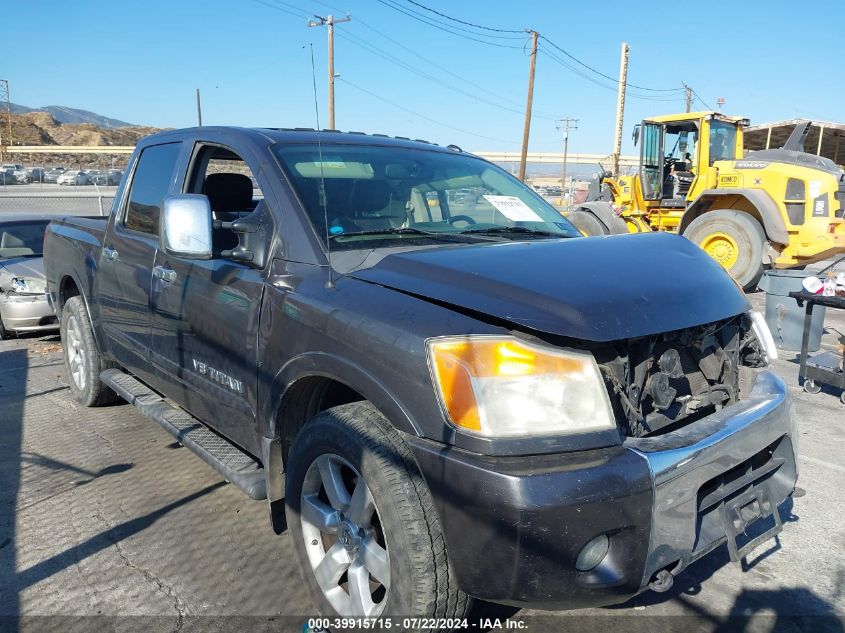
<point>587,223</point>
<point>735,240</point>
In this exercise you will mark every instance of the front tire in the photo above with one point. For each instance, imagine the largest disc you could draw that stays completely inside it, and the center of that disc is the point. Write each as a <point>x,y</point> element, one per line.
<point>83,361</point>
<point>735,240</point>
<point>364,528</point>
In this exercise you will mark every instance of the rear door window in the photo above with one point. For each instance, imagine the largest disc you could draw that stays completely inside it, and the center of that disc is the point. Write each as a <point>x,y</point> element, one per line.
<point>150,185</point>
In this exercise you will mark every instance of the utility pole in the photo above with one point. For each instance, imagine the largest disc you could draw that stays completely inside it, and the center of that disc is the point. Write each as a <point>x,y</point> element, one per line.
<point>620,107</point>
<point>199,109</point>
<point>566,125</point>
<point>5,100</point>
<point>688,98</point>
<point>330,22</point>
<point>530,101</point>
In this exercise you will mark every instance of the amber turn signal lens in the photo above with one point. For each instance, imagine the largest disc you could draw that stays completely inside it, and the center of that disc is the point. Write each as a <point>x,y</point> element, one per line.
<point>503,386</point>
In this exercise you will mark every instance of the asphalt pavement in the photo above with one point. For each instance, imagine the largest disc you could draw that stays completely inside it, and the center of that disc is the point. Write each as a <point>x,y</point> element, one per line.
<point>103,514</point>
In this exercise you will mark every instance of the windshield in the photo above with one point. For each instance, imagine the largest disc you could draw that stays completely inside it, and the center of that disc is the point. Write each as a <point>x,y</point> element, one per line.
<point>391,194</point>
<point>24,239</point>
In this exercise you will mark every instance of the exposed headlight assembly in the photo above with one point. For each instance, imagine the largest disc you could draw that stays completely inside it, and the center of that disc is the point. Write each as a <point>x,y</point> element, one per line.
<point>505,387</point>
<point>764,335</point>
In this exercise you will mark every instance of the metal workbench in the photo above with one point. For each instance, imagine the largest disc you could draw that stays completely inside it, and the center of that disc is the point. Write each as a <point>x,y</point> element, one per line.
<point>825,367</point>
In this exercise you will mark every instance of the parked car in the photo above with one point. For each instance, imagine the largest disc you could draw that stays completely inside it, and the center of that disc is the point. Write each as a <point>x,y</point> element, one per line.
<point>30,174</point>
<point>7,177</point>
<point>74,177</point>
<point>24,306</point>
<point>52,175</point>
<point>104,177</point>
<point>437,406</point>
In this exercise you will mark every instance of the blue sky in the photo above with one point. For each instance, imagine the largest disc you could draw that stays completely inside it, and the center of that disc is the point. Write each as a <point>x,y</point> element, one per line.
<point>141,61</point>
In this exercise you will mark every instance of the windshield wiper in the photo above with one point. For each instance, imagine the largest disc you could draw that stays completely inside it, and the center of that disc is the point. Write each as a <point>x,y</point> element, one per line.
<point>505,230</point>
<point>448,236</point>
<point>400,230</point>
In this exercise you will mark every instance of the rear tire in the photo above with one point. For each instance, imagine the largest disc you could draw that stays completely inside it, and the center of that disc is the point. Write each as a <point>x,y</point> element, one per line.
<point>735,240</point>
<point>83,361</point>
<point>350,446</point>
<point>587,223</point>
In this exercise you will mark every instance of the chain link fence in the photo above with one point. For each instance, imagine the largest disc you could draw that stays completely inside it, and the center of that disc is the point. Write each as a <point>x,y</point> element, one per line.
<point>89,204</point>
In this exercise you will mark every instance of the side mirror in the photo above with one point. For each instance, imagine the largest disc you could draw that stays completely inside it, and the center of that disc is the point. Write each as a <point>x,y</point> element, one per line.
<point>186,226</point>
<point>636,134</point>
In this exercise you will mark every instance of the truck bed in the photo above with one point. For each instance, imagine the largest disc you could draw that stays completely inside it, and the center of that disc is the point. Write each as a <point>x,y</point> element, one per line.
<point>72,251</point>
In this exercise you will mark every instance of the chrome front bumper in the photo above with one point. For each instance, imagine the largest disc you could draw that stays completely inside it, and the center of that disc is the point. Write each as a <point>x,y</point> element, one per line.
<point>27,313</point>
<point>742,458</point>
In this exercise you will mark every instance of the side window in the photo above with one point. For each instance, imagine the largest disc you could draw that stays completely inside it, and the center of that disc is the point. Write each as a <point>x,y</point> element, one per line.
<point>227,180</point>
<point>150,185</point>
<point>722,141</point>
<point>234,165</point>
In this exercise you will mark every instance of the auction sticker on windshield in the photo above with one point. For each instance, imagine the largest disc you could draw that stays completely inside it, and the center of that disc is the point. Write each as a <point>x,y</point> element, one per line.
<point>513,208</point>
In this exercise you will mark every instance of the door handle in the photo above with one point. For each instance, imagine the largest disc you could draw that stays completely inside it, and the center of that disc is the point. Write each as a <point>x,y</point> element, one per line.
<point>165,274</point>
<point>110,254</point>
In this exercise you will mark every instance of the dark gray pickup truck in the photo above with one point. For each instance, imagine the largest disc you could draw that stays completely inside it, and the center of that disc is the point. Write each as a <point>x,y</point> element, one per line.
<point>442,389</point>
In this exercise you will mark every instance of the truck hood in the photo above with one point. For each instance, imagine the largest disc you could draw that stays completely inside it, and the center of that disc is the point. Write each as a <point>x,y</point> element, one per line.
<point>590,288</point>
<point>27,267</point>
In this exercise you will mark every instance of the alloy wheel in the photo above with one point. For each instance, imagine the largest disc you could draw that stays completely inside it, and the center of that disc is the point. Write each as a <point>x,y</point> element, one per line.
<point>344,539</point>
<point>75,353</point>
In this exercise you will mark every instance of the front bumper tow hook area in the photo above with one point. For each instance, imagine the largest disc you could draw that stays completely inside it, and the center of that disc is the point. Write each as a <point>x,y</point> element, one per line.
<point>663,581</point>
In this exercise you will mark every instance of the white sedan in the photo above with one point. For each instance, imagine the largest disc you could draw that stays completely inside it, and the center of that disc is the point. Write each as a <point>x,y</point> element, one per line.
<point>74,177</point>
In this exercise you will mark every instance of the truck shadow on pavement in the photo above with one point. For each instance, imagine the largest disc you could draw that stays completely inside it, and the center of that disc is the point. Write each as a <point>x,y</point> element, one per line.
<point>103,540</point>
<point>54,464</point>
<point>15,373</point>
<point>13,376</point>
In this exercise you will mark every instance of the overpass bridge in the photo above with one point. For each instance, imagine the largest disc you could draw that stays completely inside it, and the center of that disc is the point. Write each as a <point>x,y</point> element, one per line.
<point>556,158</point>
<point>498,157</point>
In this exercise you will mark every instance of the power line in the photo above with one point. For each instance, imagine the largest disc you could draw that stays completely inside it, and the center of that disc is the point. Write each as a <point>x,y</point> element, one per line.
<point>452,26</point>
<point>444,28</point>
<point>439,67</point>
<point>356,41</point>
<point>301,15</point>
<point>601,74</point>
<point>422,116</point>
<point>599,83</point>
<point>448,17</point>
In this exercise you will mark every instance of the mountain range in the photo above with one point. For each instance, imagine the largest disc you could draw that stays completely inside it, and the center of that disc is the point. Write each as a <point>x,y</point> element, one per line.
<point>64,114</point>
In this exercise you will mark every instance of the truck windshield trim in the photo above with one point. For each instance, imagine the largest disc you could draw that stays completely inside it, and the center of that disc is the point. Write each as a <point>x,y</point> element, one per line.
<point>393,193</point>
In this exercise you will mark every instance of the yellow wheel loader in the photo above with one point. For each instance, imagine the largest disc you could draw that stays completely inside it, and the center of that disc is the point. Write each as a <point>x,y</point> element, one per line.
<point>779,208</point>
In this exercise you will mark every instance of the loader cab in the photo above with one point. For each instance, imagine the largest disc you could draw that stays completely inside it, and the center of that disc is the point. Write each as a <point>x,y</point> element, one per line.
<point>677,154</point>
